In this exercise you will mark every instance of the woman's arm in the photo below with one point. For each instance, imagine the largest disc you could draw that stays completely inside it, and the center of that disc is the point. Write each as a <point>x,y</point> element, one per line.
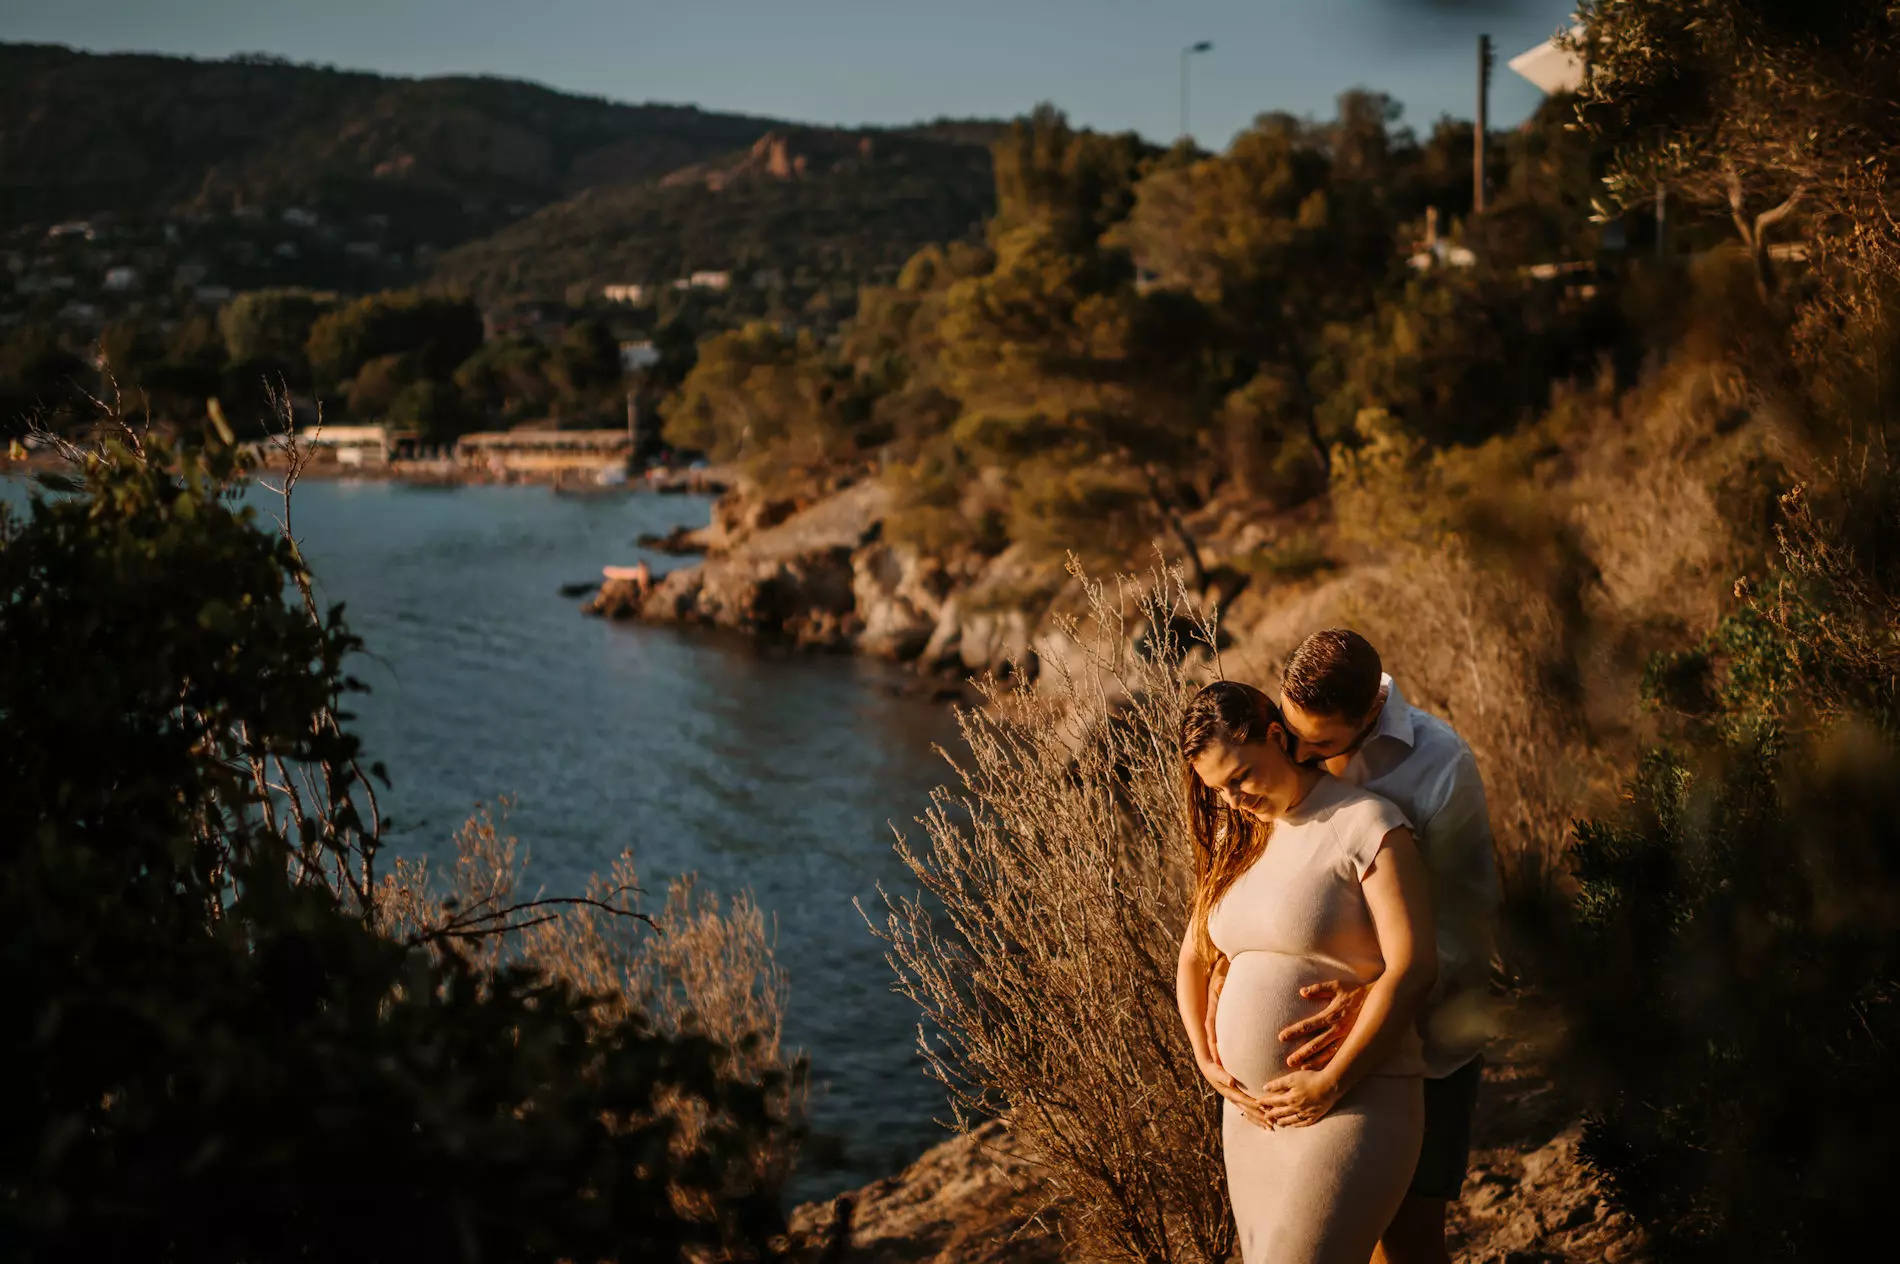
<point>1190,996</point>
<point>1400,904</point>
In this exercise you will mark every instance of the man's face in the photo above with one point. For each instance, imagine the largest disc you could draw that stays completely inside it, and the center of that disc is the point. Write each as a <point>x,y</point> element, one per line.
<point>1319,738</point>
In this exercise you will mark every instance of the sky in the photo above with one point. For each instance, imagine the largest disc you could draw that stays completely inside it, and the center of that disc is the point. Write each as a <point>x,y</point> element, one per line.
<point>1111,64</point>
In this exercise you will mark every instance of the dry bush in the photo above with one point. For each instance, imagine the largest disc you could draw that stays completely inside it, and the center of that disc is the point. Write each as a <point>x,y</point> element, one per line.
<point>1520,586</point>
<point>694,965</point>
<point>1043,949</point>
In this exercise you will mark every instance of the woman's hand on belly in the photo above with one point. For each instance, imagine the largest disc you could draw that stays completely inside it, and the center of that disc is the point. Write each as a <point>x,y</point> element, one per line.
<point>1261,999</point>
<point>1228,1087</point>
<point>1299,1098</point>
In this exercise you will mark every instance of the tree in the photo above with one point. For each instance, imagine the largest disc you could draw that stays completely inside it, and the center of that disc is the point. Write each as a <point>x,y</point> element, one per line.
<point>586,360</point>
<point>1073,184</point>
<point>216,1052</point>
<point>1760,109</point>
<point>1277,241</point>
<point>506,379</point>
<point>769,399</point>
<point>441,332</point>
<point>268,329</point>
<point>1086,394</point>
<point>376,384</point>
<point>1460,355</point>
<point>430,408</point>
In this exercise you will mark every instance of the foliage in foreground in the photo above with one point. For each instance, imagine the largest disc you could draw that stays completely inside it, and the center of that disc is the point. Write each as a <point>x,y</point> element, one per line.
<point>1741,1010</point>
<point>215,1051</point>
<point>1043,952</point>
<point>1733,972</point>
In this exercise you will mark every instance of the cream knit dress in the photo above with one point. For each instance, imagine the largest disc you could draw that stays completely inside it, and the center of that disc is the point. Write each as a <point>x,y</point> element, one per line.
<point>1324,1193</point>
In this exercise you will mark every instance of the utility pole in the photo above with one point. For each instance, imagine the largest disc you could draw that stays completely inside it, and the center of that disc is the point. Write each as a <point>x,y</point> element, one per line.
<point>1482,128</point>
<point>1202,47</point>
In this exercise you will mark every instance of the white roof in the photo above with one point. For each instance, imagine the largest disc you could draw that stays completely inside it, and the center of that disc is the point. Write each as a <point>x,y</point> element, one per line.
<point>1551,68</point>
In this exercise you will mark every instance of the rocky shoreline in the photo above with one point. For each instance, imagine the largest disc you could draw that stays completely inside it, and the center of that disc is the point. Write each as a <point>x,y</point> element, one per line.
<point>982,1198</point>
<point>822,576</point>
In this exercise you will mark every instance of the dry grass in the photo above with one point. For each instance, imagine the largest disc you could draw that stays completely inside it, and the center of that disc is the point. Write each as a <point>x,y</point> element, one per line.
<point>696,964</point>
<point>1518,588</point>
<point>1043,950</point>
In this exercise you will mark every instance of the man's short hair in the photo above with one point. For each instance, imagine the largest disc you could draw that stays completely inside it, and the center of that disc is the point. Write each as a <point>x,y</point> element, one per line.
<point>1333,672</point>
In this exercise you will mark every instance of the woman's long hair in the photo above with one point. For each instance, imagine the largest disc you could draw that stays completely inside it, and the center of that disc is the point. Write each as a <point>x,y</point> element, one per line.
<point>1226,842</point>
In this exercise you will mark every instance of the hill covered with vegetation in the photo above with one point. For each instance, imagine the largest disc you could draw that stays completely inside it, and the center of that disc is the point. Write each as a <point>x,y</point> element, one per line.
<point>798,208</point>
<point>83,133</point>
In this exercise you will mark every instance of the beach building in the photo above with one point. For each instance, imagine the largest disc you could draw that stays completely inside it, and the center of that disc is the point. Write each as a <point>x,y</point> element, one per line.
<point>360,445</point>
<point>545,453</point>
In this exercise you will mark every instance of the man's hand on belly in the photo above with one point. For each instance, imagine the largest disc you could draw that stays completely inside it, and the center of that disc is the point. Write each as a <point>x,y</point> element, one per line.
<point>1323,1032</point>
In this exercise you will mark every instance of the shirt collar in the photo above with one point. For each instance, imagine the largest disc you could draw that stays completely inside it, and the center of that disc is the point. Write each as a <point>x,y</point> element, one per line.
<point>1395,718</point>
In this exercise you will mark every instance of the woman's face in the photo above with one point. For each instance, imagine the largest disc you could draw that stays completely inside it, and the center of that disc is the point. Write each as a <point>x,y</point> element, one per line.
<point>1245,778</point>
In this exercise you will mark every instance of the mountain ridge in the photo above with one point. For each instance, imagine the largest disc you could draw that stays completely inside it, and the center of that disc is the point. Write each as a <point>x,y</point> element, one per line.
<point>543,189</point>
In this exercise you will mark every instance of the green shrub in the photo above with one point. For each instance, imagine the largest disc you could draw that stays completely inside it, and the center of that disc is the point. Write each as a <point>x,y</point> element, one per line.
<point>213,1052</point>
<point>1739,1016</point>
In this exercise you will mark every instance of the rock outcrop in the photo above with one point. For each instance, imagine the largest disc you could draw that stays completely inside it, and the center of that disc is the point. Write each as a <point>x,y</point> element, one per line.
<point>822,575</point>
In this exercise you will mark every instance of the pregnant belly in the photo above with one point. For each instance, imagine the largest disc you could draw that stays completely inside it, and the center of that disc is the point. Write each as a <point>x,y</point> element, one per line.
<point>1262,996</point>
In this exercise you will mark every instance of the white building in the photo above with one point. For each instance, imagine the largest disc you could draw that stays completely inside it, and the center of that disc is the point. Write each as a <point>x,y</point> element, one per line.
<point>710,280</point>
<point>624,293</point>
<point>121,279</point>
<point>359,445</point>
<point>635,356</point>
<point>297,217</point>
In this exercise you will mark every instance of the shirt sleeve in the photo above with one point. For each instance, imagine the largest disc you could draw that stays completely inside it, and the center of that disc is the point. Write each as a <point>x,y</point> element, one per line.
<point>1461,864</point>
<point>1363,831</point>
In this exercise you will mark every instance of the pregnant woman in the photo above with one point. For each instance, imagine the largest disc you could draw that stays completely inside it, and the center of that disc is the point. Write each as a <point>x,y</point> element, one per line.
<point>1300,878</point>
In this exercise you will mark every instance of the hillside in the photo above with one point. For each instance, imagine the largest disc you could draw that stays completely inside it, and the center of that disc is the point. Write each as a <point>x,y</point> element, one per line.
<point>543,189</point>
<point>798,208</point>
<point>84,133</point>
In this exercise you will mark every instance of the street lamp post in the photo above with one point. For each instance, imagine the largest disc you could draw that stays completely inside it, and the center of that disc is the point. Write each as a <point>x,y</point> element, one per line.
<point>1202,47</point>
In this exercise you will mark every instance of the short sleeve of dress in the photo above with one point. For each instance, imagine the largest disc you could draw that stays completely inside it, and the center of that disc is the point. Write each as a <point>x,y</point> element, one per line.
<point>1362,829</point>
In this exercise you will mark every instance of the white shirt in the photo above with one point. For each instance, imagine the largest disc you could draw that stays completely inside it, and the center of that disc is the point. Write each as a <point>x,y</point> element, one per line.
<point>1421,764</point>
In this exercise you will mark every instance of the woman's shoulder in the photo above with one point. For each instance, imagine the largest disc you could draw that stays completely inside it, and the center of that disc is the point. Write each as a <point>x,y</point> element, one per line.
<point>1361,820</point>
<point>1351,807</point>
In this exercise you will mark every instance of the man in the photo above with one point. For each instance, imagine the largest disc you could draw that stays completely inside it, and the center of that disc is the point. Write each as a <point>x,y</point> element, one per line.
<point>1346,715</point>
